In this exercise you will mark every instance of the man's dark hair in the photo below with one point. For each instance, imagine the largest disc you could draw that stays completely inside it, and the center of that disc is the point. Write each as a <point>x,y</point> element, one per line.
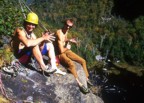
<point>69,20</point>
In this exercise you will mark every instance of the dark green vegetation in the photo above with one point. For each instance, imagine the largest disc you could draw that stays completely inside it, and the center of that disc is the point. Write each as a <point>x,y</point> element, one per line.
<point>97,30</point>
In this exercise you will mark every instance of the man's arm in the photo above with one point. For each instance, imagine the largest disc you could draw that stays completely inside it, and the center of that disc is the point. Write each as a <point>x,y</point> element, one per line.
<point>30,42</point>
<point>72,40</point>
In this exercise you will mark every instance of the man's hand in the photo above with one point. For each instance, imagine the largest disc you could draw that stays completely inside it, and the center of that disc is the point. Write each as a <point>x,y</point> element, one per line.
<point>73,40</point>
<point>49,36</point>
<point>68,45</point>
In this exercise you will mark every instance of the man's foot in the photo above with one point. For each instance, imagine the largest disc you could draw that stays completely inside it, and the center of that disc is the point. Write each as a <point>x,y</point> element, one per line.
<point>58,71</point>
<point>83,89</point>
<point>50,70</point>
<point>89,83</point>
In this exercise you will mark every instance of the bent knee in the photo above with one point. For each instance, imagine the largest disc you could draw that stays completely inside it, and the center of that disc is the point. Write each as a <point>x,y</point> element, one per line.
<point>83,61</point>
<point>70,64</point>
<point>50,46</point>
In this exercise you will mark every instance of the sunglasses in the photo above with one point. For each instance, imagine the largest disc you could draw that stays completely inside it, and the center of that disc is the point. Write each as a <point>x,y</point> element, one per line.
<point>68,26</point>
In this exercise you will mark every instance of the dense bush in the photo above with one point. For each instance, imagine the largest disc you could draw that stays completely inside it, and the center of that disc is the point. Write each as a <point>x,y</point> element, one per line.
<point>10,16</point>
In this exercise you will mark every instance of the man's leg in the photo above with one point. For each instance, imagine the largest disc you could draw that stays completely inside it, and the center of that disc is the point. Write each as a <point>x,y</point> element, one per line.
<point>78,59</point>
<point>37,54</point>
<point>68,63</point>
<point>51,54</point>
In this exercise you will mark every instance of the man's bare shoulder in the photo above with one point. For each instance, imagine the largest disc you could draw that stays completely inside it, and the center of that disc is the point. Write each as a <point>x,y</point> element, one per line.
<point>58,32</point>
<point>18,31</point>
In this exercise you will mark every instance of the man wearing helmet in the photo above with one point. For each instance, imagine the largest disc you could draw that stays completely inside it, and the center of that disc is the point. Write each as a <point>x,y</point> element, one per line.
<point>26,44</point>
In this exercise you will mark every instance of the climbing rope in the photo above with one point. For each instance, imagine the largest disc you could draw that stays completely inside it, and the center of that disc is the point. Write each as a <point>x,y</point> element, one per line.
<point>22,9</point>
<point>3,90</point>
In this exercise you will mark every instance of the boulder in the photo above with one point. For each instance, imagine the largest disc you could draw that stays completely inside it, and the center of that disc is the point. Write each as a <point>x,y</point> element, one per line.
<point>31,86</point>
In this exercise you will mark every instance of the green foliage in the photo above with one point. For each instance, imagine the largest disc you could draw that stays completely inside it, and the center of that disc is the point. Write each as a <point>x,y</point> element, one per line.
<point>10,16</point>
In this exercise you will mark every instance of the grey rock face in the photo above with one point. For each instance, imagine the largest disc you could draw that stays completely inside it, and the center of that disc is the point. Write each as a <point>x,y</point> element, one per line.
<point>55,88</point>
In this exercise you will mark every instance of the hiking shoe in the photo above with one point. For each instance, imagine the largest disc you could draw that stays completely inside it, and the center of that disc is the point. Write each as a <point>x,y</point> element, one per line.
<point>89,83</point>
<point>50,70</point>
<point>83,89</point>
<point>58,71</point>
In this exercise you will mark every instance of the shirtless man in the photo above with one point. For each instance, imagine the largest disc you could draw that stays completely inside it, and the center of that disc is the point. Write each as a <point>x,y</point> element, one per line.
<point>26,44</point>
<point>66,56</point>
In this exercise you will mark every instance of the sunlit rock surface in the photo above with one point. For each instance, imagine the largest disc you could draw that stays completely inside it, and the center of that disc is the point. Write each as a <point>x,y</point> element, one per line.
<point>55,88</point>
